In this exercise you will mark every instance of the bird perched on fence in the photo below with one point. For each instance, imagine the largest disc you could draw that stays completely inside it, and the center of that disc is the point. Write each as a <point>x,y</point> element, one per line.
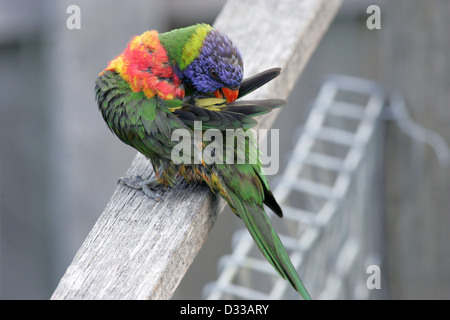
<point>176,80</point>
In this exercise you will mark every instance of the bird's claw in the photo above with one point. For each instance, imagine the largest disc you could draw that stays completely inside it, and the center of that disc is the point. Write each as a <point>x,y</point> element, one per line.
<point>147,186</point>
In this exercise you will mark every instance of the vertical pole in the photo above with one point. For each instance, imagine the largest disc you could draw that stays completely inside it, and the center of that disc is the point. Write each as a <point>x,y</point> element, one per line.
<point>416,41</point>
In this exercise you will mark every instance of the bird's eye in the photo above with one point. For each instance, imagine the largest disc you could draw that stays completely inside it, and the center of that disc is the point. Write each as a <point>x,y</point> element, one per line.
<point>213,73</point>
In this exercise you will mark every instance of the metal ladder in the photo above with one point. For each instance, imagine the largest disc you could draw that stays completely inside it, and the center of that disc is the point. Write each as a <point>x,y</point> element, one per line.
<point>333,237</point>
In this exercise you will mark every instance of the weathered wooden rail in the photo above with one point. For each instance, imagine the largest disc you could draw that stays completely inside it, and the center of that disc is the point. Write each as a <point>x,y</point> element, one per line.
<point>141,249</point>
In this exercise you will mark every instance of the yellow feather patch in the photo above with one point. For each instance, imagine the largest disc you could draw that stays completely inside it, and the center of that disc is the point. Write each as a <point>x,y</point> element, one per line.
<point>214,104</point>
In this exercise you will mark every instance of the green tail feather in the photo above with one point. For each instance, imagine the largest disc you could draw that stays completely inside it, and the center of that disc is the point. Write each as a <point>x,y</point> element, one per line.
<point>268,242</point>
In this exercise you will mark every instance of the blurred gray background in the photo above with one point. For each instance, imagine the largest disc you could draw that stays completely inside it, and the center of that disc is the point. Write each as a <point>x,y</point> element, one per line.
<point>59,163</point>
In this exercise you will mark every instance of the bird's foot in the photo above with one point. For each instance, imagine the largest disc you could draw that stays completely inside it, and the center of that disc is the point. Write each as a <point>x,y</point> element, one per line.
<point>150,187</point>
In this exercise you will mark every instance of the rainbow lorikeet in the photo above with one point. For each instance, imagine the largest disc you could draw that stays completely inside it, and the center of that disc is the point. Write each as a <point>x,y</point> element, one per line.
<point>175,80</point>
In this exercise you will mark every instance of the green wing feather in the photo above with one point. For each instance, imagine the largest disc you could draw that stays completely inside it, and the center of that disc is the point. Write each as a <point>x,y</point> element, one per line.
<point>234,115</point>
<point>145,124</point>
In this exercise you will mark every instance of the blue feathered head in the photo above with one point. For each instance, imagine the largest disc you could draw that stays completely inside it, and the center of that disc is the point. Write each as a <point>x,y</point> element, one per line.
<point>218,68</point>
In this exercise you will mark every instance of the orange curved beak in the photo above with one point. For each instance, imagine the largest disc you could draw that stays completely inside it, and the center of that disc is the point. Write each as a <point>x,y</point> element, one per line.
<point>230,95</point>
